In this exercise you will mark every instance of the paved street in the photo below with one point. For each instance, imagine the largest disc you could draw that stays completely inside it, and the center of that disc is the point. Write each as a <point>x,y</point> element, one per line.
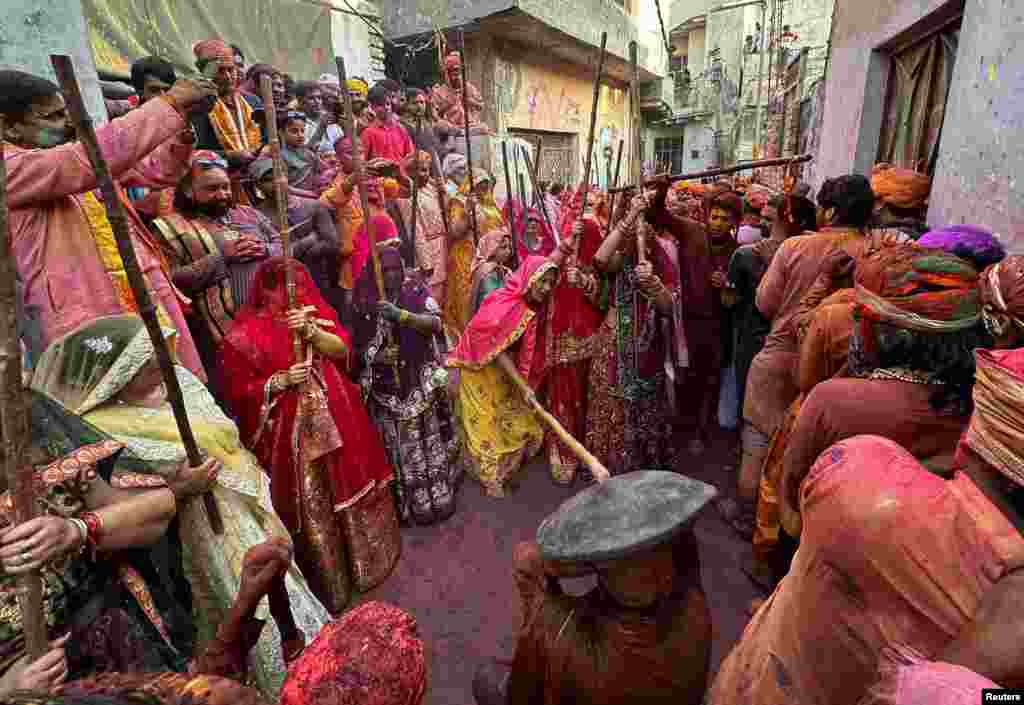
<point>456,578</point>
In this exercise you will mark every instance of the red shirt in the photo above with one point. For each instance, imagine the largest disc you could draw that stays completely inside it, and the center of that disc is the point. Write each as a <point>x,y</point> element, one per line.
<point>386,141</point>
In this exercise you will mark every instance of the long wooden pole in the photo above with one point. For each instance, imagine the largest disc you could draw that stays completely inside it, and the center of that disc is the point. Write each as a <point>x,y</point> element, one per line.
<point>281,201</point>
<point>65,72</point>
<point>416,201</point>
<point>510,202</point>
<point>599,471</point>
<point>364,199</point>
<point>535,172</point>
<point>541,205</point>
<point>465,130</point>
<point>747,166</point>
<point>611,190</point>
<point>14,420</point>
<point>593,125</point>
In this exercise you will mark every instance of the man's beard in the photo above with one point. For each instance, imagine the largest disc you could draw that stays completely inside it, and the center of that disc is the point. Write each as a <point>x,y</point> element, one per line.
<point>213,210</point>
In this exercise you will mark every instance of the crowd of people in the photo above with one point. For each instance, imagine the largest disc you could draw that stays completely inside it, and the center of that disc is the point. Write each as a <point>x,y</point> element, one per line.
<point>864,368</point>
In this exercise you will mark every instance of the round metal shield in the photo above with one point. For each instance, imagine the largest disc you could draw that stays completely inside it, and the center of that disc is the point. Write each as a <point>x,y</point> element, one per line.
<point>625,515</point>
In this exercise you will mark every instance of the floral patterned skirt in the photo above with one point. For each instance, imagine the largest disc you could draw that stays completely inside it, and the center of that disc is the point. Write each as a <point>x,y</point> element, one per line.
<point>423,451</point>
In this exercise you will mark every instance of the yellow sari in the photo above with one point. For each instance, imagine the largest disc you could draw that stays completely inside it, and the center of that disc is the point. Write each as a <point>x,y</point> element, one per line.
<point>457,304</point>
<point>85,371</point>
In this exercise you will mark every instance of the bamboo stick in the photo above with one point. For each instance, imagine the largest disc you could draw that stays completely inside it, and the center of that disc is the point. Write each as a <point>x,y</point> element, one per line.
<point>14,420</point>
<point>599,471</point>
<point>611,187</point>
<point>747,166</point>
<point>593,125</point>
<point>364,199</point>
<point>465,130</point>
<point>540,205</point>
<point>416,200</point>
<point>510,202</point>
<point>281,202</point>
<point>65,72</point>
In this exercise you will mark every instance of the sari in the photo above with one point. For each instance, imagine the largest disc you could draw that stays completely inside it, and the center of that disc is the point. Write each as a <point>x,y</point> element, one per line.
<point>627,425</point>
<point>457,310</point>
<point>411,411</point>
<point>500,430</point>
<point>123,610</point>
<point>330,477</point>
<point>488,275</point>
<point>85,371</point>
<point>543,246</point>
<point>571,327</point>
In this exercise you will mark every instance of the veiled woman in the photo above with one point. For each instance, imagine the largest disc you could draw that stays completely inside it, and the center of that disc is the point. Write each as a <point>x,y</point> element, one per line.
<point>304,419</point>
<point>536,239</point>
<point>109,574</point>
<point>398,365</point>
<point>491,265</point>
<point>106,372</point>
<point>457,305</point>
<point>500,430</point>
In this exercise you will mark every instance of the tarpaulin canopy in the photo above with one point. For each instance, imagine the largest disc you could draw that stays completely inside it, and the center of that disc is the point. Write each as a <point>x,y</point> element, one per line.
<point>292,35</point>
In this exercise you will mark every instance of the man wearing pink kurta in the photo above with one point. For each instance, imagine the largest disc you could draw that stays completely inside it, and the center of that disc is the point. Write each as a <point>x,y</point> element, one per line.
<point>64,248</point>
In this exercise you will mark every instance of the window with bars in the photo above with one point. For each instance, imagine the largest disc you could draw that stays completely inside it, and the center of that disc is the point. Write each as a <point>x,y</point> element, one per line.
<point>668,154</point>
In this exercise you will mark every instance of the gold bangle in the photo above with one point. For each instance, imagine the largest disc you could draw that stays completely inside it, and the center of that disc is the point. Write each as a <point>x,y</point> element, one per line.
<point>403,316</point>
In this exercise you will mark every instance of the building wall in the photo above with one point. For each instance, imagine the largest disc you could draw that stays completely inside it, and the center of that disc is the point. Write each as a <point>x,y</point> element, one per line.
<point>855,87</point>
<point>31,31</point>
<point>979,174</point>
<point>352,38</point>
<point>549,97</point>
<point>697,135</point>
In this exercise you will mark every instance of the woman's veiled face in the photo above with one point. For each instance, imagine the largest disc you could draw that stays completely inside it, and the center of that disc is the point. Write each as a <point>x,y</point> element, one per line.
<point>542,288</point>
<point>503,255</point>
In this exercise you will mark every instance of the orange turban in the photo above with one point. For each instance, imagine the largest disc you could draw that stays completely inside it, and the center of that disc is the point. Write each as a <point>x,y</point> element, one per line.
<point>214,50</point>
<point>898,187</point>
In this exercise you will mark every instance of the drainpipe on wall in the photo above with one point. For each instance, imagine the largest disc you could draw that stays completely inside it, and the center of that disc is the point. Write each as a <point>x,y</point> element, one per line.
<point>760,80</point>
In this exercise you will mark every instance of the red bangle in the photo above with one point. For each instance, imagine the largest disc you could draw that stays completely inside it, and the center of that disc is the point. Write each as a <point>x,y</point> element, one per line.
<point>94,524</point>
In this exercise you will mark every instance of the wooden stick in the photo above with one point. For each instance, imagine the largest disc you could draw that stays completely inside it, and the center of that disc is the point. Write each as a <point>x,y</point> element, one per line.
<point>541,205</point>
<point>510,202</point>
<point>281,205</point>
<point>634,107</point>
<point>364,199</point>
<point>747,166</point>
<point>415,208</point>
<point>14,419</point>
<point>442,199</point>
<point>65,72</point>
<point>611,187</point>
<point>535,172</point>
<point>599,471</point>
<point>469,145</point>
<point>593,126</point>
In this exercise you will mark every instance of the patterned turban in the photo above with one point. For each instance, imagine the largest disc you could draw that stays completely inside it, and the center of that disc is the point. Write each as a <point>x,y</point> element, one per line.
<point>997,424</point>
<point>901,188</point>
<point>214,50</point>
<point>971,242</point>
<point>910,287</point>
<point>1002,295</point>
<point>357,85</point>
<point>372,655</point>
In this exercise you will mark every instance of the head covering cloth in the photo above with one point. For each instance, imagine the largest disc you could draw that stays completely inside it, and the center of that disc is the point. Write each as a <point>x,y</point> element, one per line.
<point>997,424</point>
<point>971,242</point>
<point>357,85</point>
<point>504,318</point>
<point>1002,295</point>
<point>452,163</point>
<point>211,50</point>
<point>899,187</point>
<point>372,655</point>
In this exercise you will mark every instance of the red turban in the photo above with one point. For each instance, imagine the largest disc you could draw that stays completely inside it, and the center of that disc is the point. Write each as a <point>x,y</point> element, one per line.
<point>901,188</point>
<point>214,50</point>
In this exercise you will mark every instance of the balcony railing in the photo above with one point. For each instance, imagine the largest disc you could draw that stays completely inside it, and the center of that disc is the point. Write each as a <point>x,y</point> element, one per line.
<point>693,95</point>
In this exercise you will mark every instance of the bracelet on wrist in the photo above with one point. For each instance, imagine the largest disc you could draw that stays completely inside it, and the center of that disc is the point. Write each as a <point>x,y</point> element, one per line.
<point>93,529</point>
<point>403,316</point>
<point>83,536</point>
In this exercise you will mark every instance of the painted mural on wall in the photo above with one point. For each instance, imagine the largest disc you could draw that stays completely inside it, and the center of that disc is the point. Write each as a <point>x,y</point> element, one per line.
<point>550,99</point>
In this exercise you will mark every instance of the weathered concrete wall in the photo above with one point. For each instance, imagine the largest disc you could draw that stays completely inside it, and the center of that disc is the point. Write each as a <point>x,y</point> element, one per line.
<point>682,10</point>
<point>31,30</point>
<point>980,173</point>
<point>856,81</point>
<point>401,18</point>
<point>351,38</point>
<point>697,137</point>
<point>552,97</point>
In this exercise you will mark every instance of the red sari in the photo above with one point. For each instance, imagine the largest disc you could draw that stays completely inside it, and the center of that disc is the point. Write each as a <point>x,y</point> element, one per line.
<point>331,476</point>
<point>572,324</point>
